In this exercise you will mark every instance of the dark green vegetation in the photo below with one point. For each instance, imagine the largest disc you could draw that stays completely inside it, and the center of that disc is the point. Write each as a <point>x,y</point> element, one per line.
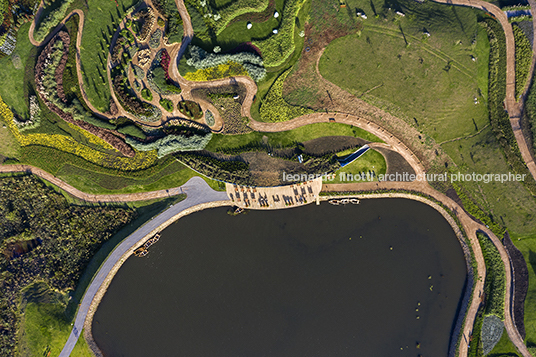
<point>147,94</point>
<point>495,278</point>
<point>167,104</point>
<point>431,82</point>
<point>45,238</point>
<point>191,109</point>
<point>523,59</point>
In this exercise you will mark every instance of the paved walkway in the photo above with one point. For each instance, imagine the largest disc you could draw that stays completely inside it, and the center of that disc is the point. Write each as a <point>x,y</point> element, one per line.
<point>198,193</point>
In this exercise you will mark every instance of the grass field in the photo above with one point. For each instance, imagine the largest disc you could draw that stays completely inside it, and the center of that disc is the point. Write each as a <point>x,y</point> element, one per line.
<point>12,89</point>
<point>432,82</point>
<point>237,33</point>
<point>371,161</point>
<point>45,330</point>
<point>290,137</point>
<point>9,146</point>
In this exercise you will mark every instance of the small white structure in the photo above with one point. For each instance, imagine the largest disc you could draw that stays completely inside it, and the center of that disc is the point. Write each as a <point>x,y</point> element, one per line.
<point>473,58</point>
<point>249,25</point>
<point>275,31</point>
<point>426,33</point>
<point>276,14</point>
<point>236,96</point>
<point>217,49</point>
<point>400,13</point>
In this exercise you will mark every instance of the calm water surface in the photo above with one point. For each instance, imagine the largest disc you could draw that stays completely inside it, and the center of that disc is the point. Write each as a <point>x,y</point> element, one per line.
<point>374,279</point>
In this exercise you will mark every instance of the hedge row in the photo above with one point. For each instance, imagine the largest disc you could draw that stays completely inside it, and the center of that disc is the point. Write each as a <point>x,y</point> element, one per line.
<point>499,119</point>
<point>216,169</point>
<point>172,143</point>
<point>274,108</point>
<point>523,59</point>
<point>495,284</point>
<point>51,21</point>
<point>277,48</point>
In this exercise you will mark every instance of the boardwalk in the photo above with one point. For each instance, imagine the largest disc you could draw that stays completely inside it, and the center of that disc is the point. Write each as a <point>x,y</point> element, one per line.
<point>279,197</point>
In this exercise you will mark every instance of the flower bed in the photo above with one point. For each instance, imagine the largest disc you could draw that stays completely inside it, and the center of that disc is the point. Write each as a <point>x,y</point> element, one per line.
<point>191,109</point>
<point>252,63</point>
<point>274,108</point>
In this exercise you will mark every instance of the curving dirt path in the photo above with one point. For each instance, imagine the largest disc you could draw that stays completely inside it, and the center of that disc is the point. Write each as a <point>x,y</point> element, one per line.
<point>514,108</point>
<point>126,197</point>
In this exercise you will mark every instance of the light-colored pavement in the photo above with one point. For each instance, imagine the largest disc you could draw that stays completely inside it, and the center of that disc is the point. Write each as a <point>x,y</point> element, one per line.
<point>198,193</point>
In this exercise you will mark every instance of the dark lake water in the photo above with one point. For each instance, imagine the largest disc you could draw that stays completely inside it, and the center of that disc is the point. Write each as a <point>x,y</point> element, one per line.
<point>311,281</point>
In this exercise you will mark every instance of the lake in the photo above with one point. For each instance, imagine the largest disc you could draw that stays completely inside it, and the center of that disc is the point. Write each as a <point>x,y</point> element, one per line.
<point>382,278</point>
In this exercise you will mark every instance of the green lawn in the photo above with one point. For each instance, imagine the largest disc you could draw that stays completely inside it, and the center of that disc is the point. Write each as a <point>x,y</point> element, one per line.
<point>509,203</point>
<point>286,138</point>
<point>12,90</point>
<point>45,329</point>
<point>371,161</point>
<point>9,146</point>
<point>504,348</point>
<point>429,81</point>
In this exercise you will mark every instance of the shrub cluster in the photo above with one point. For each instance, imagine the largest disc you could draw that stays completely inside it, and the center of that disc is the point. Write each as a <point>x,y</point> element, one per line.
<point>523,59</point>
<point>229,69</point>
<point>167,104</point>
<point>201,59</point>
<point>45,239</point>
<point>232,171</point>
<point>209,118</point>
<point>191,109</point>
<point>147,94</point>
<point>172,143</point>
<point>35,116</point>
<point>277,48</point>
<point>69,145</point>
<point>495,284</point>
<point>154,41</point>
<point>49,22</point>
<point>499,118</point>
<point>274,108</point>
<point>148,18</point>
<point>142,110</point>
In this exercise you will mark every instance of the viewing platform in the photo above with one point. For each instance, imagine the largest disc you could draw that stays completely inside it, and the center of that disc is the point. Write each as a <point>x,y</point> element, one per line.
<point>278,197</point>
